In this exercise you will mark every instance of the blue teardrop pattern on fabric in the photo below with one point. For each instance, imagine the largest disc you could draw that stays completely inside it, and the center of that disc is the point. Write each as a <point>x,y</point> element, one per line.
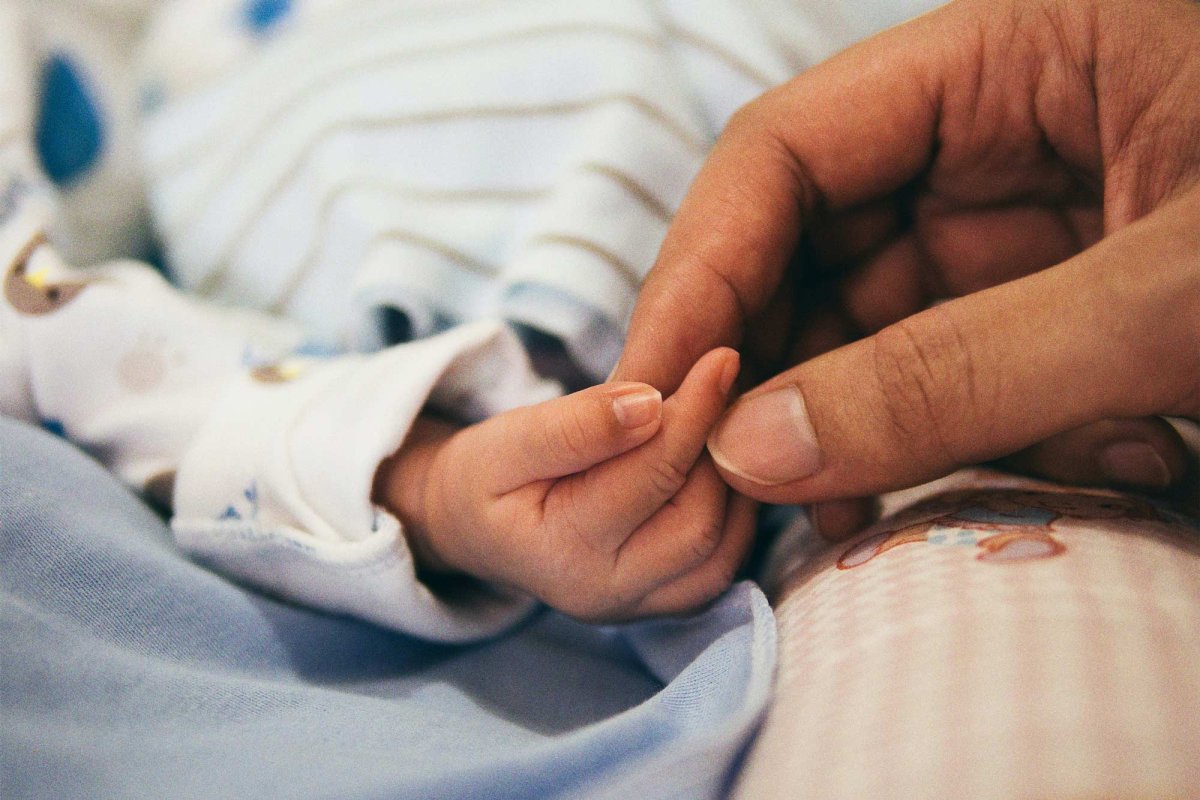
<point>70,130</point>
<point>263,15</point>
<point>55,427</point>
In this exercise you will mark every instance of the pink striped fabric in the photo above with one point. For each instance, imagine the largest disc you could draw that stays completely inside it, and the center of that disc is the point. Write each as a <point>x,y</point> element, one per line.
<point>1010,643</point>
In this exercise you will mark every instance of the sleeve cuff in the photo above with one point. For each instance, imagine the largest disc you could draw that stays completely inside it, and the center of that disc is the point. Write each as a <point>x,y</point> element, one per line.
<point>276,487</point>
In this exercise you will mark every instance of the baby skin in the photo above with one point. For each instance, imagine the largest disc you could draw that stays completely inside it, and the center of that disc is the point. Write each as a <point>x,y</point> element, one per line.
<point>602,503</point>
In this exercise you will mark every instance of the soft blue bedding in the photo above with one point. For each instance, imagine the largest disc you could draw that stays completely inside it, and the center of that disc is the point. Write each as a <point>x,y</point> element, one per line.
<point>128,671</point>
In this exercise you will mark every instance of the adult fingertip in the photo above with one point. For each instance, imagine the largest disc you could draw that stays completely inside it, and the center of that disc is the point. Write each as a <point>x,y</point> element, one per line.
<point>1144,454</point>
<point>1135,463</point>
<point>838,520</point>
<point>767,439</point>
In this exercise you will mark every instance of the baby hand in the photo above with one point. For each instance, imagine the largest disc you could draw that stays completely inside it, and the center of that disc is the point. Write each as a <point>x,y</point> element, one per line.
<point>603,503</point>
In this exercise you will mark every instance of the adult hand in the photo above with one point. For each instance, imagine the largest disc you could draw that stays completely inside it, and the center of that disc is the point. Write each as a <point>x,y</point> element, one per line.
<point>1035,164</point>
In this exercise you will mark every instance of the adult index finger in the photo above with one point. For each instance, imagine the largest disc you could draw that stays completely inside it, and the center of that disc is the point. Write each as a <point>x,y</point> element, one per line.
<point>857,127</point>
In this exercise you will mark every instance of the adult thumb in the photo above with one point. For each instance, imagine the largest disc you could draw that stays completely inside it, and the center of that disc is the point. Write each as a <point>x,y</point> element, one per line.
<point>1109,333</point>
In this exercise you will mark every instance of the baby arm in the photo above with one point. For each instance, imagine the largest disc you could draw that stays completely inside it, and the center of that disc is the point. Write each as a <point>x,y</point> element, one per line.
<point>265,458</point>
<point>601,503</point>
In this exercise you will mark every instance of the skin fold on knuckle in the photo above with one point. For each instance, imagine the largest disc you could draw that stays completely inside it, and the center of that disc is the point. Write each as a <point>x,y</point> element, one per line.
<point>712,258</point>
<point>565,526</point>
<point>1149,117</point>
<point>585,579</point>
<point>746,211</point>
<point>665,477</point>
<point>927,381</point>
<point>571,434</point>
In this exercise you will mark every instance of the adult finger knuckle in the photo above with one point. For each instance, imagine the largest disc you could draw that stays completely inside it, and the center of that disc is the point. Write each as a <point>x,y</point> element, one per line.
<point>928,381</point>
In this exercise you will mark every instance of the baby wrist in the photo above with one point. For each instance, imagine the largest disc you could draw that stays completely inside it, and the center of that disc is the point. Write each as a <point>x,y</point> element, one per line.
<point>403,484</point>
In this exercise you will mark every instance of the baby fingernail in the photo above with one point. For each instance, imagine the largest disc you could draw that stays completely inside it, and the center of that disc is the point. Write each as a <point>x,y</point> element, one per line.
<point>1135,464</point>
<point>638,408</point>
<point>729,374</point>
<point>767,439</point>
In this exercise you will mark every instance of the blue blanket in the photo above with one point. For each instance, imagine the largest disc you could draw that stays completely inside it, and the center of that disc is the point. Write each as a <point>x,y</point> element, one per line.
<point>129,671</point>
